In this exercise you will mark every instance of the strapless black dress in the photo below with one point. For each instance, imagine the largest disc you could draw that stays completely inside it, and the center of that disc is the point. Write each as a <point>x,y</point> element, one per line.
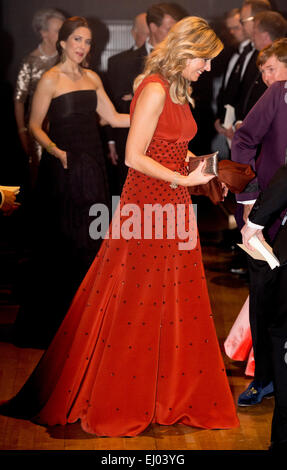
<point>62,247</point>
<point>71,193</point>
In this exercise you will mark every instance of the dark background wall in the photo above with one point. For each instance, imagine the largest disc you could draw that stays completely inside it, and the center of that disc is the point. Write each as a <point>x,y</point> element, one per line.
<point>18,37</point>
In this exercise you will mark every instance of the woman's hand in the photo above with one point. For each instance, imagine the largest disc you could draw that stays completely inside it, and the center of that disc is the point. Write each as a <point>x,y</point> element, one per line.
<point>196,177</point>
<point>63,159</point>
<point>62,156</point>
<point>58,153</point>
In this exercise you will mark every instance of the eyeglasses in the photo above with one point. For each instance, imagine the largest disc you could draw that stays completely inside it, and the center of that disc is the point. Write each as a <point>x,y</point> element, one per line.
<point>245,20</point>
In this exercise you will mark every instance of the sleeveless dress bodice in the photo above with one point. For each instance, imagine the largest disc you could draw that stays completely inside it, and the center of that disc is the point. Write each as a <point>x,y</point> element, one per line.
<point>73,121</point>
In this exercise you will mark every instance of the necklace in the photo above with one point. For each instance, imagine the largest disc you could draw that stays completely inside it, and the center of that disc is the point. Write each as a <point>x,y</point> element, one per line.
<point>45,55</point>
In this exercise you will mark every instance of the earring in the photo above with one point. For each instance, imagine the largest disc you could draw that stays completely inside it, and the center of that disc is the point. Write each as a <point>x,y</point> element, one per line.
<point>63,56</point>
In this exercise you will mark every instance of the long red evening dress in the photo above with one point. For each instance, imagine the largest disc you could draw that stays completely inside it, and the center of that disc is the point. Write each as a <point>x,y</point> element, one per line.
<point>138,344</point>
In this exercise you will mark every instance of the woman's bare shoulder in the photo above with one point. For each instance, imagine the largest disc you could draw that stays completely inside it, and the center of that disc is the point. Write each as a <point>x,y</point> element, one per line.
<point>93,77</point>
<point>153,92</point>
<point>50,78</point>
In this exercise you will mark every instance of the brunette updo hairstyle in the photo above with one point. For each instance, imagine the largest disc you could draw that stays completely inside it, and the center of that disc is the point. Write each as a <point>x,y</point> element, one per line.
<point>67,28</point>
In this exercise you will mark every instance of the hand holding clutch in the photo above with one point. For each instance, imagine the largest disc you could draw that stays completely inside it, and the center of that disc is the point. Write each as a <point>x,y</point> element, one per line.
<point>229,175</point>
<point>211,163</point>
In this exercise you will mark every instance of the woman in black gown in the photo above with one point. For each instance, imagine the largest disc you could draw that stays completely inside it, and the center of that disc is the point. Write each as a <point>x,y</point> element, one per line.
<point>71,179</point>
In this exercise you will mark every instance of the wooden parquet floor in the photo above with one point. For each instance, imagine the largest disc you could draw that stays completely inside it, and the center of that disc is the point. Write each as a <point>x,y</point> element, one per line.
<point>227,293</point>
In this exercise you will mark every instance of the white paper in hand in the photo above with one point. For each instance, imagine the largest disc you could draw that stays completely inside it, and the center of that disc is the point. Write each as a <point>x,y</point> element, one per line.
<point>262,251</point>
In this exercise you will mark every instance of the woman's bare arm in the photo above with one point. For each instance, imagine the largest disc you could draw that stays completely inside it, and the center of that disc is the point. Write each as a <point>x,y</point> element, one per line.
<point>41,101</point>
<point>148,108</point>
<point>105,107</point>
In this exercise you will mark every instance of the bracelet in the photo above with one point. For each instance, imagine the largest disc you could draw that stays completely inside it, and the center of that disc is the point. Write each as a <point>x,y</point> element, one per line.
<point>50,146</point>
<point>174,185</point>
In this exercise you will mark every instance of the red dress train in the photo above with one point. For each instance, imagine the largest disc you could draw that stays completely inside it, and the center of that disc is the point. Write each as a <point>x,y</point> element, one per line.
<point>138,344</point>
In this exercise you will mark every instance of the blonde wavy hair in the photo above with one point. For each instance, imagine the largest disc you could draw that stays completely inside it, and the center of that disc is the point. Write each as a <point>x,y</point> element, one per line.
<point>190,38</point>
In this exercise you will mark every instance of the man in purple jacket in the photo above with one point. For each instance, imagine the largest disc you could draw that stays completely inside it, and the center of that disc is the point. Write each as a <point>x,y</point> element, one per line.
<point>261,141</point>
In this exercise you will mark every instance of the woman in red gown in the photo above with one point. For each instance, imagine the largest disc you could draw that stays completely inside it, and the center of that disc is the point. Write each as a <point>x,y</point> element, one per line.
<point>138,344</point>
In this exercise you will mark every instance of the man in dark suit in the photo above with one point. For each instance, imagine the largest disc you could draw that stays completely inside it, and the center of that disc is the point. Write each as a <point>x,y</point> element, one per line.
<point>124,68</point>
<point>118,78</point>
<point>268,26</point>
<point>263,128</point>
<point>251,85</point>
<point>231,76</point>
<point>271,203</point>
